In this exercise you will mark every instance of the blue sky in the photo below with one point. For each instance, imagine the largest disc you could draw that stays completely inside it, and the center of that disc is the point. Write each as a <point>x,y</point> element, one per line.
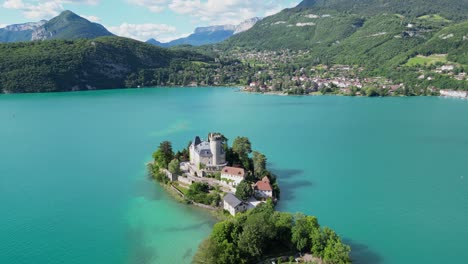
<point>143,19</point>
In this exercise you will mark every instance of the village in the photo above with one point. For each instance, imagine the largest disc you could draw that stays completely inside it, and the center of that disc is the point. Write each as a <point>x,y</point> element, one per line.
<point>275,73</point>
<point>207,165</point>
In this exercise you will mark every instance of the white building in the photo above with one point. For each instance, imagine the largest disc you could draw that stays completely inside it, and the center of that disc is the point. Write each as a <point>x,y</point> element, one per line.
<point>233,205</point>
<point>263,188</point>
<point>208,155</point>
<point>232,175</point>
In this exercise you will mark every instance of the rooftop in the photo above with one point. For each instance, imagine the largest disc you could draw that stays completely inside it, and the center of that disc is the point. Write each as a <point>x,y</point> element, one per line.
<point>232,200</point>
<point>263,186</point>
<point>239,172</point>
<point>203,149</point>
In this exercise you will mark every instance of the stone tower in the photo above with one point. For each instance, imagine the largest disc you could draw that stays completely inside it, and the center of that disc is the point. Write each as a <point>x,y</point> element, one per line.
<point>216,147</point>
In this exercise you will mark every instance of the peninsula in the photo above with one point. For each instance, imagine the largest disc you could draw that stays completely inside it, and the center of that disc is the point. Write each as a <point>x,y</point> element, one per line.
<point>235,182</point>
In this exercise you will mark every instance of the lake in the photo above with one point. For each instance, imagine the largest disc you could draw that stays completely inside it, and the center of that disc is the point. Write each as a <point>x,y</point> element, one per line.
<point>390,175</point>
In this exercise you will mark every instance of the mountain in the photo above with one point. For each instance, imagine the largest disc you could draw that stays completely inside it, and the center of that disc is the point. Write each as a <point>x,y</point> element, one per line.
<point>67,26</point>
<point>371,33</point>
<point>246,25</point>
<point>209,35</point>
<point>64,65</point>
<point>154,42</point>
<point>447,8</point>
<point>19,32</point>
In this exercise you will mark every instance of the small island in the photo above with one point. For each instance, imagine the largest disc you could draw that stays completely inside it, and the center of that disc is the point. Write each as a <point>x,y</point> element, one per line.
<point>235,183</point>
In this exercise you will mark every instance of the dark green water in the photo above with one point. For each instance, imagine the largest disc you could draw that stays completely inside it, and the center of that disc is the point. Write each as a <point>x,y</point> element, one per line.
<point>390,175</point>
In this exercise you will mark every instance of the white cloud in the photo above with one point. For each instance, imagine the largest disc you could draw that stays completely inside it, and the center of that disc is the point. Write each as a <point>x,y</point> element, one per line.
<point>34,9</point>
<point>228,11</point>
<point>155,6</point>
<point>143,32</point>
<point>218,11</point>
<point>3,25</point>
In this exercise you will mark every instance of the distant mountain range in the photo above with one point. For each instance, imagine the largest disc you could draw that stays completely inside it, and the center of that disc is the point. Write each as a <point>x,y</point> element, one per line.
<point>209,35</point>
<point>67,25</point>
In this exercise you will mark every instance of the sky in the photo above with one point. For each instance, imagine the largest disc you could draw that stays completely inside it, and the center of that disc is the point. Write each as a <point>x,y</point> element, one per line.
<point>163,20</point>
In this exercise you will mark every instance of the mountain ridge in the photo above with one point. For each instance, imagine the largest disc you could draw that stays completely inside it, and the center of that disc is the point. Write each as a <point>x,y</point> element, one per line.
<point>82,64</point>
<point>209,35</point>
<point>67,25</point>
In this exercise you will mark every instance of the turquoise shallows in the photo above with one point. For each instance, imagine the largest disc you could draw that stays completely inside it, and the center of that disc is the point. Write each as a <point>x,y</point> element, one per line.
<point>390,175</point>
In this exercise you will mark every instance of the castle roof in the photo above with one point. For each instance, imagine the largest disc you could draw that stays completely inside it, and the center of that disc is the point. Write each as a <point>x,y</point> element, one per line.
<point>238,172</point>
<point>203,149</point>
<point>196,141</point>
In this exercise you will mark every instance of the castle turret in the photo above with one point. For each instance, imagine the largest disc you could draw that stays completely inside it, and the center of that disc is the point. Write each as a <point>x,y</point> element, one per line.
<point>216,147</point>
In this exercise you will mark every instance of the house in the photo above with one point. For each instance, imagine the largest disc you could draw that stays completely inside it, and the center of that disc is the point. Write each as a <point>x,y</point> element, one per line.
<point>207,155</point>
<point>233,205</point>
<point>232,175</point>
<point>263,188</point>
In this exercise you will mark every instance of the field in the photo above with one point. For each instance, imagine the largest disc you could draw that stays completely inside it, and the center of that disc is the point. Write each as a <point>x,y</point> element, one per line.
<point>423,60</point>
<point>435,17</point>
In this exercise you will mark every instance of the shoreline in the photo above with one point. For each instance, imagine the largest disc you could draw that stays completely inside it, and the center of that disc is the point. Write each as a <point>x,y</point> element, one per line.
<point>217,213</point>
<point>448,94</point>
<point>443,93</point>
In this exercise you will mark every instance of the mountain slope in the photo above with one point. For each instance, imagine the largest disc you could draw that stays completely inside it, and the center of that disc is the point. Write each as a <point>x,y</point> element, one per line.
<point>58,65</point>
<point>19,32</point>
<point>456,10</point>
<point>67,26</point>
<point>296,29</point>
<point>370,33</point>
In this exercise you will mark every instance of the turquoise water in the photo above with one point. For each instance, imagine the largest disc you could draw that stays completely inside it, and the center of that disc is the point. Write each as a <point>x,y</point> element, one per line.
<point>390,175</point>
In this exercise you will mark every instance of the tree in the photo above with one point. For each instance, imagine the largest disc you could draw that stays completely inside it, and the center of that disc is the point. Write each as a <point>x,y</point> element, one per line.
<point>336,252</point>
<point>258,230</point>
<point>242,146</point>
<point>283,224</point>
<point>259,163</point>
<point>174,167</point>
<point>214,252</point>
<point>244,191</point>
<point>164,155</point>
<point>166,148</point>
<point>302,231</point>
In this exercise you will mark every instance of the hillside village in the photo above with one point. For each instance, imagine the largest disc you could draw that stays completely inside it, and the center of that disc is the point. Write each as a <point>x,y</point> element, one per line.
<point>275,73</point>
<point>210,174</point>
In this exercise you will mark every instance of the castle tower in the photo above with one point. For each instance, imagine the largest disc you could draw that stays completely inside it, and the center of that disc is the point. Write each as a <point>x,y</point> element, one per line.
<point>216,147</point>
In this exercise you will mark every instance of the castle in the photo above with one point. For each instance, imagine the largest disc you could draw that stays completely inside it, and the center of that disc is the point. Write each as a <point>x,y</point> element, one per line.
<point>208,155</point>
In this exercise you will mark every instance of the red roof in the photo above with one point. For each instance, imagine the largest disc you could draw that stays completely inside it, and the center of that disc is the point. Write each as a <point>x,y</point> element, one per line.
<point>263,186</point>
<point>239,172</point>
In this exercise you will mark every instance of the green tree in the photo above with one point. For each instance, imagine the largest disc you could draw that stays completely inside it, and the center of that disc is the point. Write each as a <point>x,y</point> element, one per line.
<point>304,227</point>
<point>283,224</point>
<point>242,146</point>
<point>164,155</point>
<point>244,191</point>
<point>258,230</point>
<point>259,163</point>
<point>336,252</point>
<point>174,167</point>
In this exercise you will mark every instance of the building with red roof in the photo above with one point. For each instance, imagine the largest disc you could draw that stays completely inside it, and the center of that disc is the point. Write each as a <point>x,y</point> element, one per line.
<point>263,188</point>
